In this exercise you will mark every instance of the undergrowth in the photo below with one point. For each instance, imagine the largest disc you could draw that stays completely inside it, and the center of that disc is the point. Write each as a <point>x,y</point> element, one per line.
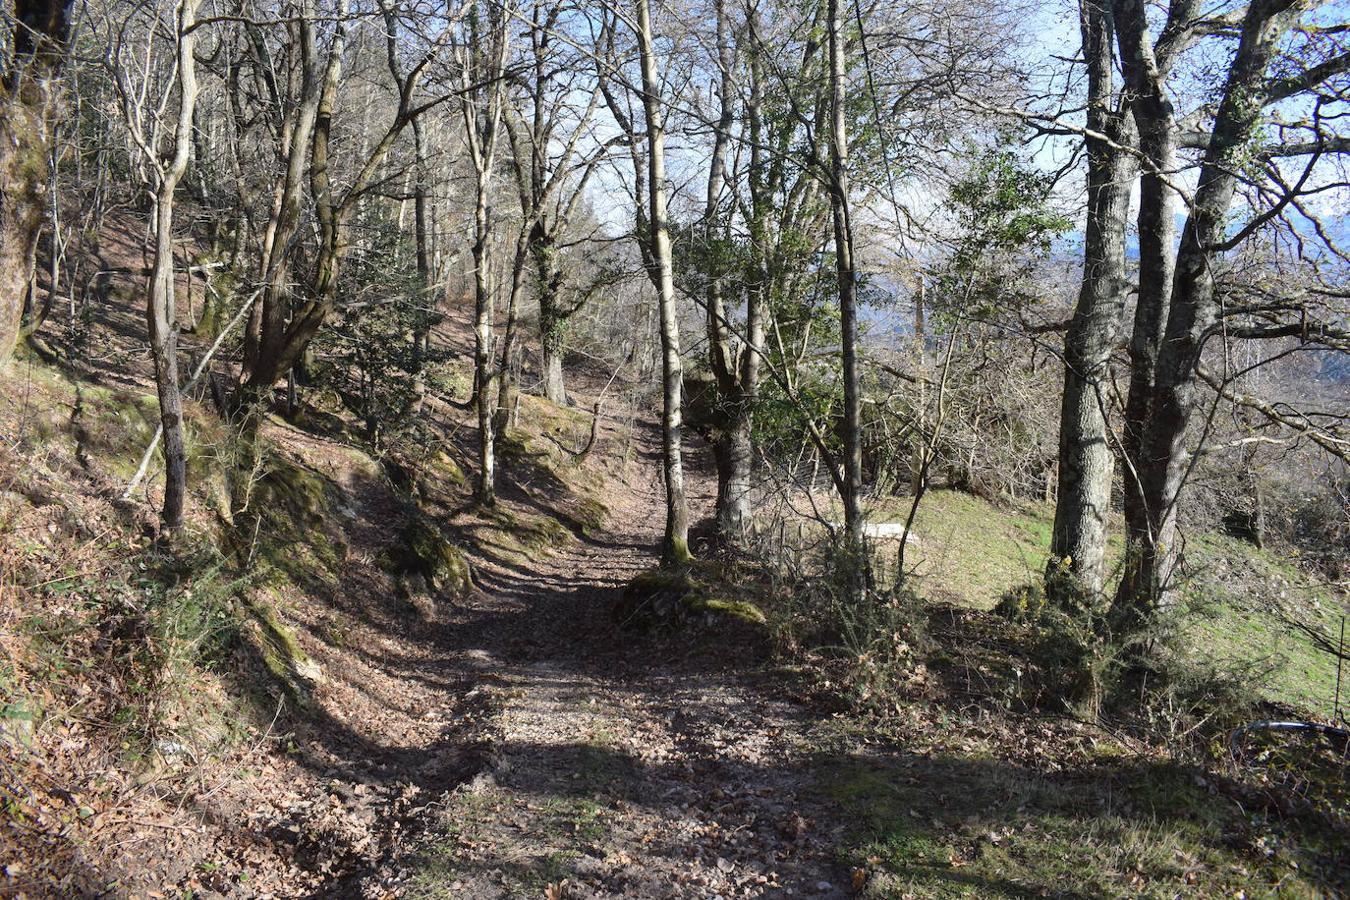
<point>868,642</point>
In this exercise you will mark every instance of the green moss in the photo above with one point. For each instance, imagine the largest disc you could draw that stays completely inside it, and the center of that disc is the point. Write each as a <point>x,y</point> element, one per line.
<point>293,516</point>
<point>591,515</point>
<point>422,550</point>
<point>673,597</point>
<point>115,426</point>
<point>677,554</point>
<point>444,466</point>
<point>736,609</point>
<point>543,532</point>
<point>214,315</point>
<point>662,579</point>
<point>281,651</point>
<point>519,535</point>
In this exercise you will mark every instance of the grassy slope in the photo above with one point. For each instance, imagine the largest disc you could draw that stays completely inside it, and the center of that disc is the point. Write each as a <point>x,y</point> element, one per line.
<point>963,802</point>
<point>971,551</point>
<point>965,821</point>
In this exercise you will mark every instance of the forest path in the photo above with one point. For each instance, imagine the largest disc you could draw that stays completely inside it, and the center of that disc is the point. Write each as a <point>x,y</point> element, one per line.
<point>609,765</point>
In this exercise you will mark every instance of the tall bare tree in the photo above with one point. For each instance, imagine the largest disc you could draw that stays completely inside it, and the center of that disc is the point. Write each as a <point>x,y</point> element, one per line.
<point>283,325</point>
<point>846,272</point>
<point>1265,69</point>
<point>675,544</point>
<point>1086,454</point>
<point>554,157</point>
<point>735,358</point>
<point>167,164</point>
<point>482,58</point>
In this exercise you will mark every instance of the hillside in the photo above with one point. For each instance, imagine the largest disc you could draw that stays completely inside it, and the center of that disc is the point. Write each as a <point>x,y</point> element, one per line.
<point>1238,610</point>
<point>674,450</point>
<point>363,686</point>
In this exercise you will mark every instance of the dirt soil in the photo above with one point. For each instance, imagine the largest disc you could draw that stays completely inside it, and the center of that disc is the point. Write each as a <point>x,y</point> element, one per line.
<point>514,742</point>
<point>518,743</point>
<point>614,765</point>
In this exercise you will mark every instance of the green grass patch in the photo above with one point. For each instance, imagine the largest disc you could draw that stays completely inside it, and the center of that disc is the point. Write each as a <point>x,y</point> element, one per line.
<point>972,826</point>
<point>1239,598</point>
<point>1246,604</point>
<point>969,551</point>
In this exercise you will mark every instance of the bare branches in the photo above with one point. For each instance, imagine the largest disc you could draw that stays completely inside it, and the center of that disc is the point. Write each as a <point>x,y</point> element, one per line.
<point>1330,435</point>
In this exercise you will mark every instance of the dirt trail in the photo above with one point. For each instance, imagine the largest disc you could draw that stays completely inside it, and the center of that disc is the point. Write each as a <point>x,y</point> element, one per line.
<point>490,747</point>
<point>609,762</point>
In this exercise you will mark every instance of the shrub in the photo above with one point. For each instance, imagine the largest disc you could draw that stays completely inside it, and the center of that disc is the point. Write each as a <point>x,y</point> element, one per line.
<point>1067,644</point>
<point>870,642</point>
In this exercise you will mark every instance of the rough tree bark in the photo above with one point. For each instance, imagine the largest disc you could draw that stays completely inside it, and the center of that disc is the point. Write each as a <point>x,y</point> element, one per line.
<point>421,336</point>
<point>552,318</point>
<point>1155,125</point>
<point>40,31</point>
<point>1086,458</point>
<point>734,364</point>
<point>1164,461</point>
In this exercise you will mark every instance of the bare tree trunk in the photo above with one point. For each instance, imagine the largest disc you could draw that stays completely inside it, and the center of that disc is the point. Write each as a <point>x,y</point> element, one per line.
<point>1164,460</point>
<point>675,545</point>
<point>161,312</point>
<point>735,367</point>
<point>508,391</point>
<point>421,337</point>
<point>267,324</point>
<point>162,320</point>
<point>483,61</point>
<point>552,320</point>
<point>483,333</point>
<point>916,466</point>
<point>1157,253</point>
<point>847,277</point>
<point>1086,458</point>
<point>277,340</point>
<point>555,385</point>
<point>545,161</point>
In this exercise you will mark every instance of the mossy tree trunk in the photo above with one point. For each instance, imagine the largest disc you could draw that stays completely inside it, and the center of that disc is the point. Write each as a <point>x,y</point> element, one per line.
<point>27,100</point>
<point>552,321</point>
<point>733,453</point>
<point>421,336</point>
